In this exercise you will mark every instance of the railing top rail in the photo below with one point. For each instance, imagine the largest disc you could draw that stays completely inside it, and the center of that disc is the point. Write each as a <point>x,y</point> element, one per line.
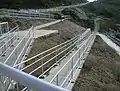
<point>3,23</point>
<point>28,80</point>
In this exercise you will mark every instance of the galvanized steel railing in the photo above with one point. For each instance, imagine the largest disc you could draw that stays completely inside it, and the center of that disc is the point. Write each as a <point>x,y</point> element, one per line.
<point>4,28</point>
<point>20,46</point>
<point>76,47</point>
<point>8,40</point>
<point>30,81</point>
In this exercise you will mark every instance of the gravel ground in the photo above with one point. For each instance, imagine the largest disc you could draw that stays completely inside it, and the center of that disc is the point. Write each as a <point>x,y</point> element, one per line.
<point>101,72</point>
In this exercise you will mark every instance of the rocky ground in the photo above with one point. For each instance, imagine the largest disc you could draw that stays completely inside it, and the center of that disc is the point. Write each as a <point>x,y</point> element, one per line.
<point>101,71</point>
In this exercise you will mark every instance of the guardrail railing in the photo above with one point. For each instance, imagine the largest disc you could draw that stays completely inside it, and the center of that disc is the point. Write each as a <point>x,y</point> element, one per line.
<point>29,15</point>
<point>16,80</point>
<point>8,40</point>
<point>16,56</point>
<point>3,28</point>
<point>17,50</point>
<point>114,39</point>
<point>41,64</point>
<point>30,81</point>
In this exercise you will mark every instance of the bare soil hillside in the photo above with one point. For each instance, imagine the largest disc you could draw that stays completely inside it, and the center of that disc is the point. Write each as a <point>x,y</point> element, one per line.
<point>101,71</point>
<point>66,30</point>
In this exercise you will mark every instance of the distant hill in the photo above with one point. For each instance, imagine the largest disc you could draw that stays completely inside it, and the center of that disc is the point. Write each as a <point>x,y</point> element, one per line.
<point>106,8</point>
<point>37,3</point>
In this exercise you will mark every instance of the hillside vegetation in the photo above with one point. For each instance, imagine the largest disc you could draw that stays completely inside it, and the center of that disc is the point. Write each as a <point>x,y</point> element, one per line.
<point>37,3</point>
<point>108,10</point>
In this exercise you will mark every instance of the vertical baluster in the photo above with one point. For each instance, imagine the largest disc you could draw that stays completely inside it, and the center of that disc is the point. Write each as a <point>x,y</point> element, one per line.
<point>72,68</point>
<point>42,61</point>
<point>57,80</point>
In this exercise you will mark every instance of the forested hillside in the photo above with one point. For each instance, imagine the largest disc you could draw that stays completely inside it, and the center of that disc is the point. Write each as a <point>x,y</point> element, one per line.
<point>105,8</point>
<point>108,10</point>
<point>37,3</point>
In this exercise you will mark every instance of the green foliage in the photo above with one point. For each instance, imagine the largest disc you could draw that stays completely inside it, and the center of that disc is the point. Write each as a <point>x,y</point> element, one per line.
<point>108,10</point>
<point>79,16</point>
<point>37,3</point>
<point>76,13</point>
<point>105,8</point>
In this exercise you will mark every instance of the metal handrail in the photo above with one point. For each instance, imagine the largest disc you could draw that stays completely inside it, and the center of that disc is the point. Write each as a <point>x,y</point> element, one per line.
<point>44,52</point>
<point>20,54</point>
<point>32,82</point>
<point>51,49</point>
<point>89,43</point>
<point>9,32</point>
<point>45,56</point>
<point>1,32</point>
<point>17,45</point>
<point>68,61</point>
<point>28,80</point>
<point>80,38</point>
<point>48,62</point>
<point>55,62</point>
<point>18,58</point>
<point>115,38</point>
<point>8,47</point>
<point>4,45</point>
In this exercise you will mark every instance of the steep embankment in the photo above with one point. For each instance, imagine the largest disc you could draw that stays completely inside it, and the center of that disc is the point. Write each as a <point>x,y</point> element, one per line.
<point>101,71</point>
<point>66,30</point>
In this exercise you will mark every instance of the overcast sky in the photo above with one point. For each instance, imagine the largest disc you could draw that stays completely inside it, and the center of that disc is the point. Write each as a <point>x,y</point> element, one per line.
<point>90,0</point>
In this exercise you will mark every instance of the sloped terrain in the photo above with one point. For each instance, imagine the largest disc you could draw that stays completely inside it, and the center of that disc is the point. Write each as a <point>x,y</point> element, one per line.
<point>37,3</point>
<point>107,10</point>
<point>23,23</point>
<point>101,71</point>
<point>66,30</point>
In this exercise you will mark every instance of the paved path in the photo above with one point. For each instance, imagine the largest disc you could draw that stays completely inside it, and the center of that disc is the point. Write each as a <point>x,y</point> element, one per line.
<point>47,24</point>
<point>40,33</point>
<point>110,43</point>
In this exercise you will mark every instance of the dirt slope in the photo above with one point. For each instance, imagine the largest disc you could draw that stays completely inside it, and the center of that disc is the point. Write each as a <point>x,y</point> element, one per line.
<point>101,71</point>
<point>66,30</point>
